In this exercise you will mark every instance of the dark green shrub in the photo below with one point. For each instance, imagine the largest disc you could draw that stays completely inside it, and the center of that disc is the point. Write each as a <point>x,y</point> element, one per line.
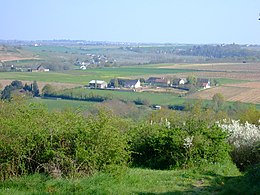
<point>161,146</point>
<point>35,140</point>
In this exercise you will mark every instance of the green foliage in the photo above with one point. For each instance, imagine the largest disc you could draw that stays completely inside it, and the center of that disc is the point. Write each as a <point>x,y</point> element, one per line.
<point>6,94</point>
<point>27,87</point>
<point>250,115</point>
<point>140,101</point>
<point>60,144</point>
<point>164,145</point>
<point>17,84</point>
<point>218,100</point>
<point>192,80</point>
<point>35,89</point>
<point>48,89</point>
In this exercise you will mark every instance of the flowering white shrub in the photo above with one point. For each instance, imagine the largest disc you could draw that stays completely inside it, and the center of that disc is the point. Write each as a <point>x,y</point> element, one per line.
<point>188,142</point>
<point>244,139</point>
<point>241,134</point>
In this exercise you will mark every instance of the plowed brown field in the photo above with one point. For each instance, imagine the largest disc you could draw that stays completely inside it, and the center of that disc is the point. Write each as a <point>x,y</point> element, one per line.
<point>244,92</point>
<point>241,71</point>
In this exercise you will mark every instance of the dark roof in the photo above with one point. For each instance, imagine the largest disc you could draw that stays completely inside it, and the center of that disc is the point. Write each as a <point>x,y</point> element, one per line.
<point>40,67</point>
<point>152,79</point>
<point>129,83</point>
<point>156,80</point>
<point>202,80</point>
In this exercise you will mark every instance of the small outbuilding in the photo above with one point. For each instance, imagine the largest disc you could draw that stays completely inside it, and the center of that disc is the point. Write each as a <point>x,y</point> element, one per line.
<point>97,84</point>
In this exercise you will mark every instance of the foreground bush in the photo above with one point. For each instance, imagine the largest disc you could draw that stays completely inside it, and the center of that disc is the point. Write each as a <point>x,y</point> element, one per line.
<point>245,140</point>
<point>163,146</point>
<point>35,140</point>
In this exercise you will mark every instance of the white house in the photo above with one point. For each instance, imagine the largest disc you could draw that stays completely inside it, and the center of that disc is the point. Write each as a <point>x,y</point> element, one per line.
<point>203,83</point>
<point>132,84</point>
<point>182,81</point>
<point>97,84</point>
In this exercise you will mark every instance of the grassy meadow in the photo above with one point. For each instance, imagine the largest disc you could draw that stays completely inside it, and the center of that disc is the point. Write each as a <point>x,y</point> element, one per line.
<point>152,98</point>
<point>59,104</point>
<point>210,179</point>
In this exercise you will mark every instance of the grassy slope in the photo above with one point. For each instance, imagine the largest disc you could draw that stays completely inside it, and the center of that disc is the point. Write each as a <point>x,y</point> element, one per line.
<point>153,98</point>
<point>53,104</point>
<point>207,180</point>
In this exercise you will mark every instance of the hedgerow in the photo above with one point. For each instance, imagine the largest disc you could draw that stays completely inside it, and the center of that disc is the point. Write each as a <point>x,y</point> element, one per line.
<point>32,139</point>
<point>164,146</point>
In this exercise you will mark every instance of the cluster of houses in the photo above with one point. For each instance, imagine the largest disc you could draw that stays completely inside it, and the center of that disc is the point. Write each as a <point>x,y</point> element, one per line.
<point>150,82</point>
<point>94,60</point>
<point>116,83</point>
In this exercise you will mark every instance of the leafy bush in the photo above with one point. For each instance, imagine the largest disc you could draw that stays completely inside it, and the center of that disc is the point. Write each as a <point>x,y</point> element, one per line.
<point>35,140</point>
<point>162,145</point>
<point>244,139</point>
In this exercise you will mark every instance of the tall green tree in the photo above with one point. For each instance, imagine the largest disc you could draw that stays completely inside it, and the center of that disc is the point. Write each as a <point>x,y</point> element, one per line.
<point>35,89</point>
<point>192,80</point>
<point>218,100</point>
<point>27,87</point>
<point>6,93</point>
<point>17,84</point>
<point>116,85</point>
<point>48,89</point>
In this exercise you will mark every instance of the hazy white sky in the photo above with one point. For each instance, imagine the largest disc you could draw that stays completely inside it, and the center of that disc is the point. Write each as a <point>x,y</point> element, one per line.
<point>175,21</point>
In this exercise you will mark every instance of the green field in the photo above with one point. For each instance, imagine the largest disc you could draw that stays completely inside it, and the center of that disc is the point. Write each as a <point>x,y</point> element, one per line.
<point>83,77</point>
<point>152,98</point>
<point>59,104</point>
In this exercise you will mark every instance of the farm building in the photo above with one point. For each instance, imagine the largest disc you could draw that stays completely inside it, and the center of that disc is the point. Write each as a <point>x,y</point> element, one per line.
<point>114,83</point>
<point>40,68</point>
<point>133,84</point>
<point>97,84</point>
<point>157,81</point>
<point>179,81</point>
<point>203,83</point>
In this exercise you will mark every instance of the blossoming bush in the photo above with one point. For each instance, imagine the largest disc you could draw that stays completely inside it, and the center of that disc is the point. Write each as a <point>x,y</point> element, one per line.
<point>245,139</point>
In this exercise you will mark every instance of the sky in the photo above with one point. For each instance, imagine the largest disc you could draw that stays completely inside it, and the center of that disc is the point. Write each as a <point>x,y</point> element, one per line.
<point>147,21</point>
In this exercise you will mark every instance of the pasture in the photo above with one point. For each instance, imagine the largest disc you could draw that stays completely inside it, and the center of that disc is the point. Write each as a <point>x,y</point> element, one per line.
<point>153,98</point>
<point>60,105</point>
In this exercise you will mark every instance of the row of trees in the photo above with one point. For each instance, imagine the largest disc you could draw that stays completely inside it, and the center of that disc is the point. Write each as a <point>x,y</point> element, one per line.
<point>219,51</point>
<point>17,87</point>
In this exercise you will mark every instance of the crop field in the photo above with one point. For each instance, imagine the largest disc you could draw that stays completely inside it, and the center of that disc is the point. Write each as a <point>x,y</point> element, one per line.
<point>248,92</point>
<point>228,67</point>
<point>242,71</point>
